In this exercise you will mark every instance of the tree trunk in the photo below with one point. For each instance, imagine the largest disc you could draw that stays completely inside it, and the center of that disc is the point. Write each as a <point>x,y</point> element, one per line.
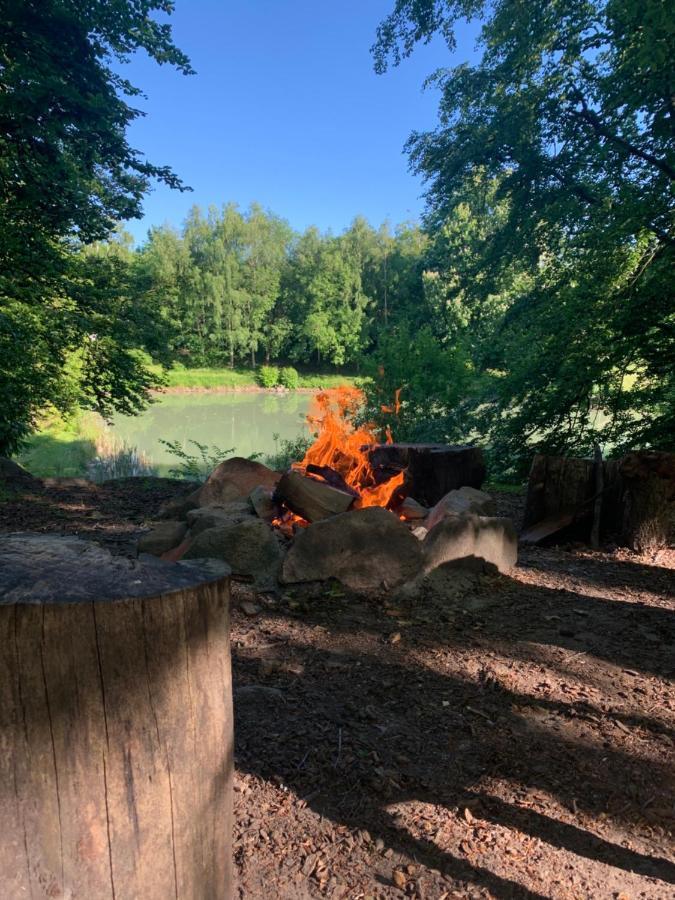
<point>115,726</point>
<point>431,469</point>
<point>646,489</point>
<point>637,494</point>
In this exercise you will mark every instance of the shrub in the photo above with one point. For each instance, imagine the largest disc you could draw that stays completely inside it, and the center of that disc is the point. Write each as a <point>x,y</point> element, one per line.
<point>268,376</point>
<point>195,466</point>
<point>287,452</point>
<point>289,378</point>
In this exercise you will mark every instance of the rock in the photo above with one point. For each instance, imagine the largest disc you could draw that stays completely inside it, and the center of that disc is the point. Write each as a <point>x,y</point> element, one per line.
<point>461,502</point>
<point>261,500</point>
<point>478,542</point>
<point>249,546</point>
<point>163,537</point>
<point>205,517</point>
<point>250,608</point>
<point>420,532</point>
<point>365,549</point>
<point>234,479</point>
<point>411,509</point>
<point>14,477</point>
<point>179,507</point>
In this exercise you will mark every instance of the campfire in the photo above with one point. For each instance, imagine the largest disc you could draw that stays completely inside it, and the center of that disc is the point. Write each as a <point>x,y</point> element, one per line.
<point>337,472</point>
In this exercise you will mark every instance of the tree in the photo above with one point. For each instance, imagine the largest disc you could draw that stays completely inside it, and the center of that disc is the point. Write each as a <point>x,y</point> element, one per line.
<point>569,115</point>
<point>67,175</point>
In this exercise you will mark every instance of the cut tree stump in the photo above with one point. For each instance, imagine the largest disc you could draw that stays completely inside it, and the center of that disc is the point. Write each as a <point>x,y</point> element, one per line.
<point>310,498</point>
<point>115,725</point>
<point>636,496</point>
<point>432,469</point>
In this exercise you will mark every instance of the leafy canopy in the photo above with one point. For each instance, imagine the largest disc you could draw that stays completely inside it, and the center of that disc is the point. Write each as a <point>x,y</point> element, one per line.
<point>568,116</point>
<point>67,175</point>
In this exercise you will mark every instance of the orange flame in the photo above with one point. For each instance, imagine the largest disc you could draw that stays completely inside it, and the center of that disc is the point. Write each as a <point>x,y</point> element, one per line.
<point>343,447</point>
<point>396,408</point>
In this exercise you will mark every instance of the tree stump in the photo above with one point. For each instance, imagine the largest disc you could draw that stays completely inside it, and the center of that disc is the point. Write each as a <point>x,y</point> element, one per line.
<point>115,725</point>
<point>432,470</point>
<point>637,497</point>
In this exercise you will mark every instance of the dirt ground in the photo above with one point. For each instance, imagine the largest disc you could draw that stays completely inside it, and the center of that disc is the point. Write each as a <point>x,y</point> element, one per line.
<point>518,742</point>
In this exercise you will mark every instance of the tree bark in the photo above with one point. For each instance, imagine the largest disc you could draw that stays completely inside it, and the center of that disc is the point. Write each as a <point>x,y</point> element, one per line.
<point>637,494</point>
<point>115,726</point>
<point>432,470</point>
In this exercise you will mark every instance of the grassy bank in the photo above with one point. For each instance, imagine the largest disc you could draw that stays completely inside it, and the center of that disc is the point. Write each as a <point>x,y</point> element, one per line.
<point>62,448</point>
<point>180,378</point>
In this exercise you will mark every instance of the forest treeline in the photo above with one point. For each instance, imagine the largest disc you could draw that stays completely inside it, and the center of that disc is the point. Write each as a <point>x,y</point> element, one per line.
<point>532,309</point>
<point>240,287</point>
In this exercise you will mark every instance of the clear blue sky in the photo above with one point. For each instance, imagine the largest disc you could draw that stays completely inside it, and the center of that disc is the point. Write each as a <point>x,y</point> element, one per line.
<point>286,110</point>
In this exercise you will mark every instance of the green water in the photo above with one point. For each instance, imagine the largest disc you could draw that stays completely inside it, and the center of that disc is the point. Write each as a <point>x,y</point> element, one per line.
<point>245,422</point>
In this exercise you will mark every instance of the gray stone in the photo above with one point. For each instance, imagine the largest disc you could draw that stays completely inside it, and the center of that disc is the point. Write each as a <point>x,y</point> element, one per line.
<point>411,509</point>
<point>249,546</point>
<point>210,516</point>
<point>234,479</point>
<point>261,500</point>
<point>420,532</point>
<point>365,549</point>
<point>179,507</point>
<point>463,501</point>
<point>163,537</point>
<point>478,542</point>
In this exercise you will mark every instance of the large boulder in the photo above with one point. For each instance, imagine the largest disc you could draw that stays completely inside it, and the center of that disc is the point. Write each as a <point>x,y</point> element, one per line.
<point>163,537</point>
<point>461,502</point>
<point>234,479</point>
<point>365,549</point>
<point>205,517</point>
<point>179,507</point>
<point>249,546</point>
<point>472,541</point>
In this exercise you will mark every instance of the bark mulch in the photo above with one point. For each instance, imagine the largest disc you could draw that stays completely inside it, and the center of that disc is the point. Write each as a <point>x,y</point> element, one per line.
<point>515,742</point>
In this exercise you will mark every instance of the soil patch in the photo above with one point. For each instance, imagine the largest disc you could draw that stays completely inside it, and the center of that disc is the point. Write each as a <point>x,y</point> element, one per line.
<point>517,741</point>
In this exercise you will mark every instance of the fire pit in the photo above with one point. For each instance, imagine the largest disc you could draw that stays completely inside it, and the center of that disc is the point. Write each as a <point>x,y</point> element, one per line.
<point>372,515</point>
<point>347,467</point>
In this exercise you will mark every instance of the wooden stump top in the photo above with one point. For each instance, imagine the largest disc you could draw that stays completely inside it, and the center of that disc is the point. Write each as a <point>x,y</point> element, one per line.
<point>45,568</point>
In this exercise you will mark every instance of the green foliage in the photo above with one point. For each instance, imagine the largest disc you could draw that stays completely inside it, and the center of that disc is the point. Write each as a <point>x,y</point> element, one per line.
<point>430,379</point>
<point>287,452</point>
<point>551,202</point>
<point>67,175</point>
<point>268,376</point>
<point>195,466</point>
<point>289,378</point>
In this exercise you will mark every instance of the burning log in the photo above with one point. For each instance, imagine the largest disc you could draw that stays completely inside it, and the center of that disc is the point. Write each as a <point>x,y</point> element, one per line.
<point>311,498</point>
<point>330,476</point>
<point>432,470</point>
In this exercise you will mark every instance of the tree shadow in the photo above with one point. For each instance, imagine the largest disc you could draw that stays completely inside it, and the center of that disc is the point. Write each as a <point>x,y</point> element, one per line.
<point>363,729</point>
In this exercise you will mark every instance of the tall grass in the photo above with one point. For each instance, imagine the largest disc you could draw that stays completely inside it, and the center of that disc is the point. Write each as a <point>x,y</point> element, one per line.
<point>116,459</point>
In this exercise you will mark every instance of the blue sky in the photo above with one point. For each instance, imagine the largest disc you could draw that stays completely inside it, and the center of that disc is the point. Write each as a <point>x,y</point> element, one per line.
<point>286,110</point>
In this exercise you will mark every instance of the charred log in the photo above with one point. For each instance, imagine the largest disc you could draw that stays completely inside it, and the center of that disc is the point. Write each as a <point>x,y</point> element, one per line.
<point>431,469</point>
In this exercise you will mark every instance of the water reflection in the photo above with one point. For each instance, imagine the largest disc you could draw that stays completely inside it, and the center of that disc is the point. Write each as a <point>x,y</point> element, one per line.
<point>245,422</point>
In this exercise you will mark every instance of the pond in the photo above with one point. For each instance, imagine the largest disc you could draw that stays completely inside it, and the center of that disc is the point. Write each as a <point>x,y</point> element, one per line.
<point>244,422</point>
